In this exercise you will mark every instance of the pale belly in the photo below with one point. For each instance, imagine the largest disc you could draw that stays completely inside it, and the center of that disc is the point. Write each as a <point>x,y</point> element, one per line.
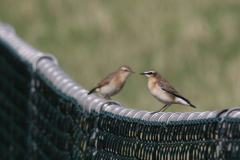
<point>162,96</point>
<point>108,90</point>
<point>166,98</point>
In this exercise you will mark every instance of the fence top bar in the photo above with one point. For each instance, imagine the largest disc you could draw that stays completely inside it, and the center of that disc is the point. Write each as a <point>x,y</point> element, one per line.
<point>48,66</point>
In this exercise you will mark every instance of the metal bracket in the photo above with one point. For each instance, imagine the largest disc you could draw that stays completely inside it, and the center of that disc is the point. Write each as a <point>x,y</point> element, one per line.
<point>44,56</point>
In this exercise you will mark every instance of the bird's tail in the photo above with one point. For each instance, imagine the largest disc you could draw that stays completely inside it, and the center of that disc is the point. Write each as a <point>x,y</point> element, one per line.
<point>184,101</point>
<point>192,105</point>
<point>93,90</point>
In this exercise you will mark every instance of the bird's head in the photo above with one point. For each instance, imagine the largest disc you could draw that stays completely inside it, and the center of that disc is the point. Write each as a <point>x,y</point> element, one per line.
<point>150,74</point>
<point>125,71</point>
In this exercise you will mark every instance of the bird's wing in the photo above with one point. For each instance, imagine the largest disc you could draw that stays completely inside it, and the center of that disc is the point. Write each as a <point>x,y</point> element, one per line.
<point>167,87</point>
<point>106,80</point>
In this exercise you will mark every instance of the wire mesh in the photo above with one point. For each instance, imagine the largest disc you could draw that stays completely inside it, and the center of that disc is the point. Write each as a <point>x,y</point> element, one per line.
<point>44,114</point>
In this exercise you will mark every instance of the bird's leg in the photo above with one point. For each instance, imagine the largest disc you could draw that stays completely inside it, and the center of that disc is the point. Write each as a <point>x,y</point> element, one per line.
<point>160,109</point>
<point>108,98</point>
<point>167,107</point>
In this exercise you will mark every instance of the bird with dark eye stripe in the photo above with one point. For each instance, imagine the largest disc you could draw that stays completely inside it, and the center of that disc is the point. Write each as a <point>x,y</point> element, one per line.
<point>163,91</point>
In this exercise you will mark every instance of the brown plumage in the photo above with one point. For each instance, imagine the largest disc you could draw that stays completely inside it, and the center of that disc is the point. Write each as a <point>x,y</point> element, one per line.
<point>113,83</point>
<point>163,91</point>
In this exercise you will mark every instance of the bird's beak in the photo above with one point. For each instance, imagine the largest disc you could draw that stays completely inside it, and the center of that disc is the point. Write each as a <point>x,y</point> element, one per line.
<point>142,73</point>
<point>132,72</point>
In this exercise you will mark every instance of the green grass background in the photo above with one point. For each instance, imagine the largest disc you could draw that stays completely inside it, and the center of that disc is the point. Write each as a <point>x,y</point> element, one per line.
<point>195,45</point>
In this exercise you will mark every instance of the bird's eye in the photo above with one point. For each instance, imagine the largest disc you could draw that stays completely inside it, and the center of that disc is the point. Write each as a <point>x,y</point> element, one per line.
<point>149,73</point>
<point>126,70</point>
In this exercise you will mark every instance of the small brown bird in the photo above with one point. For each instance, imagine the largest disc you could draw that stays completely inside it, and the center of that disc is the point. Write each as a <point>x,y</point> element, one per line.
<point>113,83</point>
<point>163,91</point>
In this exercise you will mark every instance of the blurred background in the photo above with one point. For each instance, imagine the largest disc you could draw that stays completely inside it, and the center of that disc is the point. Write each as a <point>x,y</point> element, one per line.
<point>192,44</point>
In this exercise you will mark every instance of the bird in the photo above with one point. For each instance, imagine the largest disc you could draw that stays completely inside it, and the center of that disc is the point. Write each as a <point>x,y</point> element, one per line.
<point>163,91</point>
<point>113,83</point>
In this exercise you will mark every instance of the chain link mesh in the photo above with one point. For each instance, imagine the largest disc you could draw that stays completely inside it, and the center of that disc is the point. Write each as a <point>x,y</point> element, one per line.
<point>38,121</point>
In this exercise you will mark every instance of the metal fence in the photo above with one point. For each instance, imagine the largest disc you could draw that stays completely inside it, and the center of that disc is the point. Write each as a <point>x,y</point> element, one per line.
<point>47,115</point>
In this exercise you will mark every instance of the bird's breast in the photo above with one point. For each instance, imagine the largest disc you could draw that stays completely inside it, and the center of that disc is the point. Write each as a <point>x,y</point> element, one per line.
<point>160,95</point>
<point>111,89</point>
